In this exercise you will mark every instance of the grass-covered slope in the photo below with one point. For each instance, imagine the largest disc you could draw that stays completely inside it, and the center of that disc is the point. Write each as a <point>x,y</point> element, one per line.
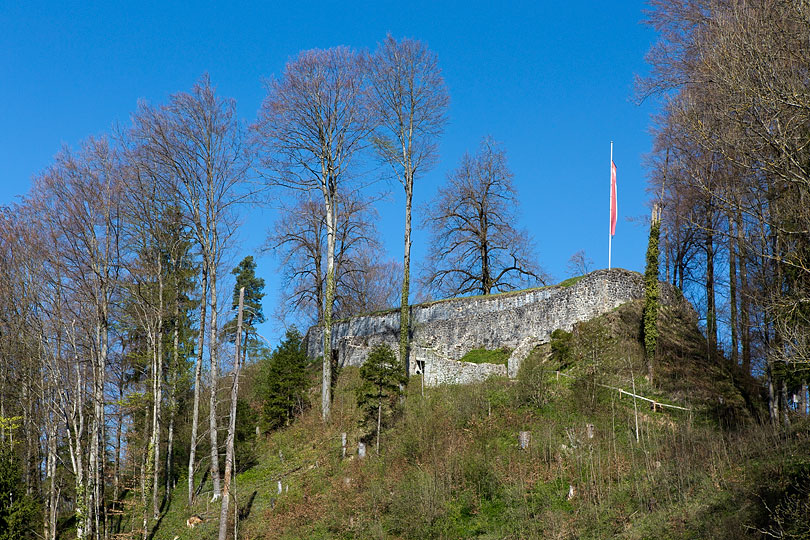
<point>451,466</point>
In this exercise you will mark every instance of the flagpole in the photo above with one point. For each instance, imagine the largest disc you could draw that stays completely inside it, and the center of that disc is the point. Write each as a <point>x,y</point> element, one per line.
<point>610,198</point>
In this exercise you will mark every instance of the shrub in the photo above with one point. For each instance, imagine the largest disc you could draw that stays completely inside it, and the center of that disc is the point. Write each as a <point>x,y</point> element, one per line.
<point>531,384</point>
<point>561,347</point>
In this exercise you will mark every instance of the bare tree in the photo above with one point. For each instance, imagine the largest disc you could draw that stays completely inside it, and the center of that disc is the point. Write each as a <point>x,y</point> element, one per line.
<point>144,208</point>
<point>81,194</point>
<point>299,241</point>
<point>311,125</point>
<point>475,246</point>
<point>410,101</point>
<point>732,74</point>
<point>197,141</point>
<point>27,390</point>
<point>369,284</point>
<point>579,264</point>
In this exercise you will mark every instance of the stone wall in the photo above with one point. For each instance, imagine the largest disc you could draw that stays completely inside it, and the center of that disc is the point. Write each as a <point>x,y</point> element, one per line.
<point>443,331</point>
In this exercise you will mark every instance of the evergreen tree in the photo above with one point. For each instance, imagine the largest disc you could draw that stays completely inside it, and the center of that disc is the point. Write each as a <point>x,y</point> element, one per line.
<point>283,382</point>
<point>245,273</point>
<point>383,378</point>
<point>651,293</point>
<point>19,513</point>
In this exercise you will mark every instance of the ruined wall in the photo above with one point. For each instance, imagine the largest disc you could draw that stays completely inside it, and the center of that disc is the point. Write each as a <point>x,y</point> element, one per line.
<point>443,331</point>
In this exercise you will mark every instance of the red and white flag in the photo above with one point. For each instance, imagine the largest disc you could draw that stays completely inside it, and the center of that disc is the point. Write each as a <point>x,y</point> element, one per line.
<point>613,209</point>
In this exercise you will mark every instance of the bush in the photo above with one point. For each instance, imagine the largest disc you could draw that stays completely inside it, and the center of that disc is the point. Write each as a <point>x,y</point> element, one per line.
<point>417,505</point>
<point>561,347</point>
<point>531,382</point>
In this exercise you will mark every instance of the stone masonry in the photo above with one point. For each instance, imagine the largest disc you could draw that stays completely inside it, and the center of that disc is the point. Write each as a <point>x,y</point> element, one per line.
<point>443,331</point>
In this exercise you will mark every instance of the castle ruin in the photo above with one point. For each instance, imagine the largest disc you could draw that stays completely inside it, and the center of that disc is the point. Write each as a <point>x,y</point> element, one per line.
<point>443,331</point>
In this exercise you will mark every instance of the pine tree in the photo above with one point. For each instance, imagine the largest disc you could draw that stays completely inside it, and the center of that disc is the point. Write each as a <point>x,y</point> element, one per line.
<point>383,378</point>
<point>245,273</point>
<point>283,382</point>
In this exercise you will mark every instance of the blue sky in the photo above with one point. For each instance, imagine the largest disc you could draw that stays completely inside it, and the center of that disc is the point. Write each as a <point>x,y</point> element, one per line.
<point>552,81</point>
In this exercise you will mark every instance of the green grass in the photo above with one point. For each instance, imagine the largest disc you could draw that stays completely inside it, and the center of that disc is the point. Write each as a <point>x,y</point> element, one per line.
<point>570,281</point>
<point>451,466</point>
<point>487,356</point>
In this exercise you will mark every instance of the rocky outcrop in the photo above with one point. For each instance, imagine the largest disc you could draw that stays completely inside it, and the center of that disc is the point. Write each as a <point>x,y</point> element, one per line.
<point>443,331</point>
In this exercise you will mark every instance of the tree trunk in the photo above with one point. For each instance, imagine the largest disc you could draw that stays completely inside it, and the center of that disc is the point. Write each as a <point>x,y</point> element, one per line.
<point>711,310</point>
<point>173,391</point>
<point>53,500</point>
<point>486,278</point>
<point>98,446</point>
<point>745,313</point>
<point>158,396</point>
<point>146,477</point>
<point>785,404</point>
<point>319,292</point>
<point>326,379</point>
<point>118,430</point>
<point>195,419</point>
<point>27,397</point>
<point>212,402</point>
<point>666,255</point>
<point>51,513</point>
<point>379,422</point>
<point>732,293</point>
<point>404,322</point>
<point>772,405</point>
<point>74,410</point>
<point>118,433</point>
<point>229,445</point>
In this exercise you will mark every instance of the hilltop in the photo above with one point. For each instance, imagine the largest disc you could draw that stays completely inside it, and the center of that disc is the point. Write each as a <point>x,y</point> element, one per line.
<point>444,331</point>
<point>452,467</point>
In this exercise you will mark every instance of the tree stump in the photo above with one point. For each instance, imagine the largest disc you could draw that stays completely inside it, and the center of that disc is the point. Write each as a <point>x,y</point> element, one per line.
<point>524,438</point>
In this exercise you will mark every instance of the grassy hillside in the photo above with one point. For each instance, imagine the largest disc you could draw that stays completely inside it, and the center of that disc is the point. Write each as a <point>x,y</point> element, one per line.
<point>451,467</point>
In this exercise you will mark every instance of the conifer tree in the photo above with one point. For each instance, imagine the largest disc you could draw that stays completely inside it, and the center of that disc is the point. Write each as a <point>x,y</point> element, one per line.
<point>245,273</point>
<point>383,378</point>
<point>18,511</point>
<point>284,382</point>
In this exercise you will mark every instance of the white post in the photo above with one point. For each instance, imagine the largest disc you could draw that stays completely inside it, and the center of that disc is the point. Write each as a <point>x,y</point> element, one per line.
<point>610,205</point>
